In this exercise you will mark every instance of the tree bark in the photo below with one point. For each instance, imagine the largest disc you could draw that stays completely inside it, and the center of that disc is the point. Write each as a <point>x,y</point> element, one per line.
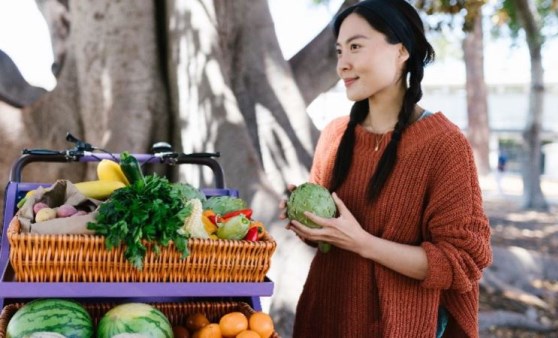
<point>478,130</point>
<point>533,197</point>
<point>122,100</point>
<point>314,65</point>
<point>233,92</point>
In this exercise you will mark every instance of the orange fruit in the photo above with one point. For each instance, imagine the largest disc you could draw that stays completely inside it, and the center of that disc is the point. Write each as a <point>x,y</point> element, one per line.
<point>180,332</point>
<point>209,331</point>
<point>196,321</point>
<point>262,323</point>
<point>248,334</point>
<point>233,323</point>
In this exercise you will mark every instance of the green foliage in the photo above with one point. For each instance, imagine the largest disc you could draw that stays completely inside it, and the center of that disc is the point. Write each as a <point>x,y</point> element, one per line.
<point>471,9</point>
<point>507,15</point>
<point>152,212</point>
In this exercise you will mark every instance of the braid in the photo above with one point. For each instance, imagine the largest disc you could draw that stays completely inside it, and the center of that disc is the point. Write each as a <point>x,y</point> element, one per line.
<point>344,155</point>
<point>389,157</point>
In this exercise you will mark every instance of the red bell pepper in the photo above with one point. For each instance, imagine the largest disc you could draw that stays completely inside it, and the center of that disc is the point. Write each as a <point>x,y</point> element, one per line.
<point>245,212</point>
<point>252,234</point>
<point>259,225</point>
<point>212,216</point>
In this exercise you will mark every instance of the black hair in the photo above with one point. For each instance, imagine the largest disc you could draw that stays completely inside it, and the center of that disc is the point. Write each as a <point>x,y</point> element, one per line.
<point>400,23</point>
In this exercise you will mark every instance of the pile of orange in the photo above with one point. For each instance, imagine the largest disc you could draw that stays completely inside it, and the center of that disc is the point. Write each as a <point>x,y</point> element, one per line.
<point>231,325</point>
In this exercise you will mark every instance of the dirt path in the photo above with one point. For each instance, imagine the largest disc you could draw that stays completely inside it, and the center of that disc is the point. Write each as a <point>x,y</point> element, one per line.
<point>532,235</point>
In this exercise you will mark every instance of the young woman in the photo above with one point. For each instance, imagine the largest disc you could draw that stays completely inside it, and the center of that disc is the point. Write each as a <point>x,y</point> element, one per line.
<point>411,237</point>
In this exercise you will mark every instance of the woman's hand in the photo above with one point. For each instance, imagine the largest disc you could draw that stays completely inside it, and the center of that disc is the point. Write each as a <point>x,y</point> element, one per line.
<point>343,232</point>
<point>346,233</point>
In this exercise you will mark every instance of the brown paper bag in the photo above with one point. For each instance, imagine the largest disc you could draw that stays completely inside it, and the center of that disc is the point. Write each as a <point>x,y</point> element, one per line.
<point>61,192</point>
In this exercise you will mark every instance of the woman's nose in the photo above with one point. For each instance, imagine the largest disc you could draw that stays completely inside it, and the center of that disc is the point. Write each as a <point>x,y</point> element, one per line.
<point>343,63</point>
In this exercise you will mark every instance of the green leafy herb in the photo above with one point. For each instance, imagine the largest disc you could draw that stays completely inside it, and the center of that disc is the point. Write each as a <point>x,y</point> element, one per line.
<point>139,213</point>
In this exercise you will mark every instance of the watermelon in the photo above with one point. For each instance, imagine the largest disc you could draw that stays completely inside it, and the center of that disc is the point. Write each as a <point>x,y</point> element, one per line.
<point>138,318</point>
<point>50,316</point>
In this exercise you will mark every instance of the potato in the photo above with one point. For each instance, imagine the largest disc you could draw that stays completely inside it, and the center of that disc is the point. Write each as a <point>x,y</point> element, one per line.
<point>38,206</point>
<point>45,214</point>
<point>65,210</point>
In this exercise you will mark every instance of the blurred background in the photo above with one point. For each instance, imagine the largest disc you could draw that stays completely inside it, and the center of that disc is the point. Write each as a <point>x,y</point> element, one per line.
<point>255,80</point>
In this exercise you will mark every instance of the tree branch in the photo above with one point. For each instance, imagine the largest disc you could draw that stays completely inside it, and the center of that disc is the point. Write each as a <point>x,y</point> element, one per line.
<point>314,65</point>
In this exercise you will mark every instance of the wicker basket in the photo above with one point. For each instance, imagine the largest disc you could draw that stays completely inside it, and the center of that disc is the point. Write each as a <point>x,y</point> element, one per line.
<point>84,258</point>
<point>175,312</point>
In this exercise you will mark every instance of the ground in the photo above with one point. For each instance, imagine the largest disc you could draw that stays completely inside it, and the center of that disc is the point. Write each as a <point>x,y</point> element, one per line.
<point>535,232</point>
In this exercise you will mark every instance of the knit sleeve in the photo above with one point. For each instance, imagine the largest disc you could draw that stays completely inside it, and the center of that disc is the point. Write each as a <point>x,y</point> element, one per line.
<point>326,149</point>
<point>458,232</point>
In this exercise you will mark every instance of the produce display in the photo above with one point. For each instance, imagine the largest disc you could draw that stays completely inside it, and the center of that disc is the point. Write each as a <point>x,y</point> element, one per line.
<point>137,209</point>
<point>55,318</point>
<point>137,213</point>
<point>45,317</point>
<point>315,199</point>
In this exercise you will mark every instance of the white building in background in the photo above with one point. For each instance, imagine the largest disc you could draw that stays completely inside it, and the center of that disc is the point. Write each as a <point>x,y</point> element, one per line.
<point>507,105</point>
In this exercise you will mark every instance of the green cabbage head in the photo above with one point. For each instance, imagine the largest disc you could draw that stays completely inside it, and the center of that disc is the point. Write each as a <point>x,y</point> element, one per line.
<point>310,197</point>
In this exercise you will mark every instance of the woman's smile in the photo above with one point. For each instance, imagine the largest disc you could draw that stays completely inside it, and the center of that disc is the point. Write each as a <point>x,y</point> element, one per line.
<point>349,81</point>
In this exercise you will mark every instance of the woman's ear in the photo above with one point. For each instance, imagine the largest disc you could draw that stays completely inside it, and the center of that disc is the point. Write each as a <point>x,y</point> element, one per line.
<point>403,53</point>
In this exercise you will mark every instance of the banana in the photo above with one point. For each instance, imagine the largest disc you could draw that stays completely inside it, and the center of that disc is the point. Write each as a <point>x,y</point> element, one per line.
<point>108,170</point>
<point>100,189</point>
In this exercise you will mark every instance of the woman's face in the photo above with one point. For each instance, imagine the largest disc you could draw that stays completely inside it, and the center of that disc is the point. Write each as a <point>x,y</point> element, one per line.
<point>368,65</point>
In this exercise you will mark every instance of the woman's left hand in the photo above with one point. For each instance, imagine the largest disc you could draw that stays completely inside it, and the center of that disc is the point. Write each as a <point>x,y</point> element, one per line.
<point>343,232</point>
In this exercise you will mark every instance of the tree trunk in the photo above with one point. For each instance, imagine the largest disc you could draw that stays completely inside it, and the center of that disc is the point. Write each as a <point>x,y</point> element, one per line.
<point>122,100</point>
<point>478,130</point>
<point>233,92</point>
<point>533,197</point>
<point>110,91</point>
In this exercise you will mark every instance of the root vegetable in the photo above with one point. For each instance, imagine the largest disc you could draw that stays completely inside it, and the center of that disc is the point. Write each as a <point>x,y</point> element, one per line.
<point>65,210</point>
<point>38,206</point>
<point>45,214</point>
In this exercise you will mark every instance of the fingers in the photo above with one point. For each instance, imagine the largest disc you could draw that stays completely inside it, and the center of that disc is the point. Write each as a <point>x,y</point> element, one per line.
<point>321,221</point>
<point>340,205</point>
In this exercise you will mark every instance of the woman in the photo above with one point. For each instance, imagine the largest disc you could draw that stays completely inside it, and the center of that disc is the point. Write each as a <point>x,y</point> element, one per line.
<point>411,237</point>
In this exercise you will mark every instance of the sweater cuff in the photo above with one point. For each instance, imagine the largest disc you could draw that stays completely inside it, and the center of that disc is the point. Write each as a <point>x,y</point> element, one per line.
<point>439,274</point>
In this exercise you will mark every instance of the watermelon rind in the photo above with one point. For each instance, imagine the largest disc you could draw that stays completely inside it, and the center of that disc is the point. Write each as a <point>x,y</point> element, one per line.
<point>65,317</point>
<point>138,318</point>
<point>45,335</point>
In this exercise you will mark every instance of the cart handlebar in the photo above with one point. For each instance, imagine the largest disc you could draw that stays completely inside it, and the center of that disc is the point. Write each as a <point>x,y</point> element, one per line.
<point>85,152</point>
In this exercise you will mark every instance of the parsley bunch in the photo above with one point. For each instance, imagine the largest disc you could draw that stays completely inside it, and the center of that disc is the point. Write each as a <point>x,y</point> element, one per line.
<point>152,212</point>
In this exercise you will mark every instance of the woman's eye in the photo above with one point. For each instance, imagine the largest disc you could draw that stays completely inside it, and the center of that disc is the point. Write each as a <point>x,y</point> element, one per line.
<point>354,47</point>
<point>338,51</point>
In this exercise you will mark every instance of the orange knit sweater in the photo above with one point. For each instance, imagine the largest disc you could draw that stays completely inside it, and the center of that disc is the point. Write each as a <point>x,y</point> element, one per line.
<point>431,199</point>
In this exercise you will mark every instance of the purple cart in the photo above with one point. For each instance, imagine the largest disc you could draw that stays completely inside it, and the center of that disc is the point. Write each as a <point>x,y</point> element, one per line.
<point>12,291</point>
